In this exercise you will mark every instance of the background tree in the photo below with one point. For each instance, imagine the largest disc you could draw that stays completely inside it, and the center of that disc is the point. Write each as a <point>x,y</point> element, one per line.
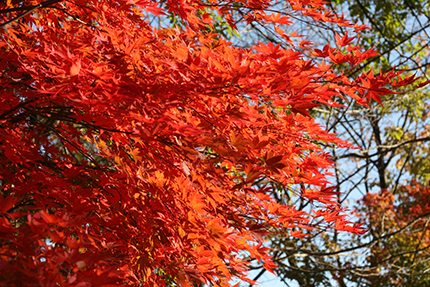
<point>134,154</point>
<point>400,222</point>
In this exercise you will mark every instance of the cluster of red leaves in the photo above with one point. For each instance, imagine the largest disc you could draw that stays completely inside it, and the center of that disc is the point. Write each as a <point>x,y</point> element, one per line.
<point>400,224</point>
<point>128,152</point>
<point>411,203</point>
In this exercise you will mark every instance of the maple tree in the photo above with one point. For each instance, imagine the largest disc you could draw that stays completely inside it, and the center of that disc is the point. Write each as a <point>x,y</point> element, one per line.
<point>395,151</point>
<point>131,153</point>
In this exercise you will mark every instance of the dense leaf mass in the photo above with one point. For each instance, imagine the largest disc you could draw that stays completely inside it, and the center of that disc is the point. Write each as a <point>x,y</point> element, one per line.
<point>129,151</point>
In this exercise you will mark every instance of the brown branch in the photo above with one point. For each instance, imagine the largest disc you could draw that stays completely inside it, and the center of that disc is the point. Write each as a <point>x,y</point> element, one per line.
<point>17,107</point>
<point>324,254</point>
<point>350,268</point>
<point>383,149</point>
<point>27,9</point>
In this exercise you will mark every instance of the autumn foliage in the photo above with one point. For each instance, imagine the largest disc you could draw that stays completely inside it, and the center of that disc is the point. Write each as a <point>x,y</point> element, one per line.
<point>400,252</point>
<point>129,152</point>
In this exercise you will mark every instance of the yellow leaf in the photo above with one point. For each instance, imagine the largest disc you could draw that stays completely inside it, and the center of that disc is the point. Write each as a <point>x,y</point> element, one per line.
<point>75,68</point>
<point>182,232</point>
